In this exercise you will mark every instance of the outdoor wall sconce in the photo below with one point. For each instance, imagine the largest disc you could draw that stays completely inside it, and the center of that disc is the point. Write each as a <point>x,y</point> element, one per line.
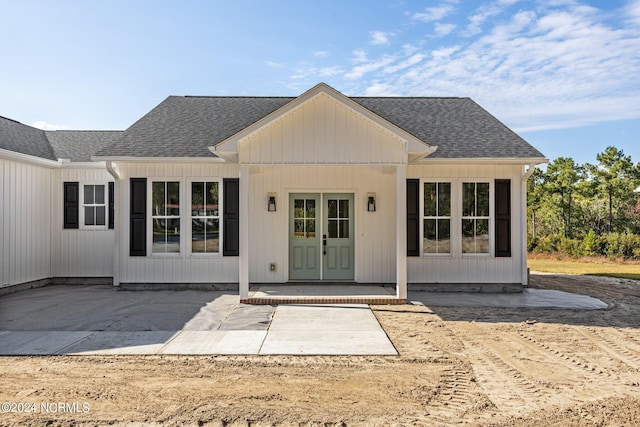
<point>271,204</point>
<point>371,202</point>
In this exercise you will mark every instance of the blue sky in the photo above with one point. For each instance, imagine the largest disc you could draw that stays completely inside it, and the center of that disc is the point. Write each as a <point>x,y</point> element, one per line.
<point>564,74</point>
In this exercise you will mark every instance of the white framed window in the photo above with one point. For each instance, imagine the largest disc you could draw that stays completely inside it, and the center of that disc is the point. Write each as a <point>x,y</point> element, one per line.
<point>205,198</point>
<point>436,218</point>
<point>476,218</point>
<point>165,217</point>
<point>94,206</point>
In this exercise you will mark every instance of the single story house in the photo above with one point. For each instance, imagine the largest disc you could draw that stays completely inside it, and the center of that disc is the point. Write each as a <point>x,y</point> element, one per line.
<point>237,191</point>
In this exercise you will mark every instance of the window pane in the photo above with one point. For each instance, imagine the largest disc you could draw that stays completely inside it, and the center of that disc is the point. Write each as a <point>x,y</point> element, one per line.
<point>430,244</point>
<point>212,198</point>
<point>483,198</point>
<point>198,241</point>
<point>89,215</point>
<point>88,195</point>
<point>333,229</point>
<point>100,215</point>
<point>468,199</point>
<point>333,209</point>
<point>344,228</point>
<point>344,209</point>
<point>429,199</point>
<point>197,199</point>
<point>444,236</point>
<point>311,208</point>
<point>157,197</point>
<point>173,235</point>
<point>444,199</point>
<point>468,236</point>
<point>159,236</point>
<point>482,236</point>
<point>213,235</point>
<point>99,191</point>
<point>173,198</point>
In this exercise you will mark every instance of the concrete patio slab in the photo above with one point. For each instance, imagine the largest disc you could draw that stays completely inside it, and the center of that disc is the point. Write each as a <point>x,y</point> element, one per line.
<point>326,330</point>
<point>23,343</point>
<point>215,342</point>
<point>529,298</point>
<point>121,342</point>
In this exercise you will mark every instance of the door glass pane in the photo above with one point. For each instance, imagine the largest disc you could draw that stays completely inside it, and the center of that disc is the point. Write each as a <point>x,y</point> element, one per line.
<point>298,208</point>
<point>99,200</point>
<point>344,209</point>
<point>298,228</point>
<point>310,228</point>
<point>88,195</point>
<point>444,199</point>
<point>344,228</point>
<point>333,209</point>
<point>333,229</point>
<point>311,208</point>
<point>429,199</point>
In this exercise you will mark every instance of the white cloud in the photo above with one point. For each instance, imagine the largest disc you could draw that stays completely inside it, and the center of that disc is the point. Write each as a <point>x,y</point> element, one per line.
<point>435,13</point>
<point>330,71</point>
<point>321,53</point>
<point>379,38</point>
<point>274,64</point>
<point>538,68</point>
<point>41,124</point>
<point>442,30</point>
<point>359,55</point>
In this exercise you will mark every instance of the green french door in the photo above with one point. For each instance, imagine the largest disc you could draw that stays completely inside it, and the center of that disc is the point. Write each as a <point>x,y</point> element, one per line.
<point>321,236</point>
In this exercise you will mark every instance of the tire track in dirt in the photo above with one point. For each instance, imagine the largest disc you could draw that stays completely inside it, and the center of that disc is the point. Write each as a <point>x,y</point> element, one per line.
<point>508,387</point>
<point>616,346</point>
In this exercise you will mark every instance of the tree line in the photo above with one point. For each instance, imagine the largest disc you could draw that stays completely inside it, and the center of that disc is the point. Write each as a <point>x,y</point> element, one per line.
<point>589,209</point>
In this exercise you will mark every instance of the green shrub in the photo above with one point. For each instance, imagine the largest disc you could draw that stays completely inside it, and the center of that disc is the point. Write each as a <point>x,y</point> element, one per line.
<point>591,244</point>
<point>622,245</point>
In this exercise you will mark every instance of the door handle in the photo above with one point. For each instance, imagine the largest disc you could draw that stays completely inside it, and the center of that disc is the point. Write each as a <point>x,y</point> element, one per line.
<point>324,244</point>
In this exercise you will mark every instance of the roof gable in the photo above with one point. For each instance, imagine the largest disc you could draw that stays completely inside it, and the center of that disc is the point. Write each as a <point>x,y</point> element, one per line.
<point>19,138</point>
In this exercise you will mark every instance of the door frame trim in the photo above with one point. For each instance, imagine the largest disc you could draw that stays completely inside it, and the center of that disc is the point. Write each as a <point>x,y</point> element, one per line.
<point>356,212</point>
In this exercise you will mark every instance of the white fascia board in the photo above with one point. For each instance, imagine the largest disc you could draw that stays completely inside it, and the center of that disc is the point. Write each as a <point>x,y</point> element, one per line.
<point>29,159</point>
<point>158,159</point>
<point>485,160</point>
<point>231,144</point>
<point>66,164</point>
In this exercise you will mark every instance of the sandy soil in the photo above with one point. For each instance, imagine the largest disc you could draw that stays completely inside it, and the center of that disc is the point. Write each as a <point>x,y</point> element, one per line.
<point>494,367</point>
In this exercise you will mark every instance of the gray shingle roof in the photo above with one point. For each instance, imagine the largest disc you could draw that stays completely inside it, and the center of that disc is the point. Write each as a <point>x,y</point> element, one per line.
<point>14,136</point>
<point>187,126</point>
<point>79,145</point>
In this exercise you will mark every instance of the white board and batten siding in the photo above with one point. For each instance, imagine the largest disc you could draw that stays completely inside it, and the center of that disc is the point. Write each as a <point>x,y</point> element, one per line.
<point>182,268</point>
<point>470,269</point>
<point>82,252</point>
<point>321,131</point>
<point>25,228</point>
<point>374,231</point>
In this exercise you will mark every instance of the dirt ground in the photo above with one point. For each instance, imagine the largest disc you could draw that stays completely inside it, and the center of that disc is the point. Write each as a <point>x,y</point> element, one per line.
<point>489,367</point>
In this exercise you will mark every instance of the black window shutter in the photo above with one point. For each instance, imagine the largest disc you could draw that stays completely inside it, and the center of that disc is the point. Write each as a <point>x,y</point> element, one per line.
<point>71,205</point>
<point>112,198</point>
<point>138,224</point>
<point>413,217</point>
<point>231,217</point>
<point>503,217</point>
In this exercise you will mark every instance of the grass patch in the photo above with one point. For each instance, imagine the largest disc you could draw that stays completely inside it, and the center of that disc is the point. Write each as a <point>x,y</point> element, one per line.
<point>593,266</point>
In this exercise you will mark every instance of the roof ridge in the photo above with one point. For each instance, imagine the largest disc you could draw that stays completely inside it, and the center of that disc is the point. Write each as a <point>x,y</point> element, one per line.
<point>15,121</point>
